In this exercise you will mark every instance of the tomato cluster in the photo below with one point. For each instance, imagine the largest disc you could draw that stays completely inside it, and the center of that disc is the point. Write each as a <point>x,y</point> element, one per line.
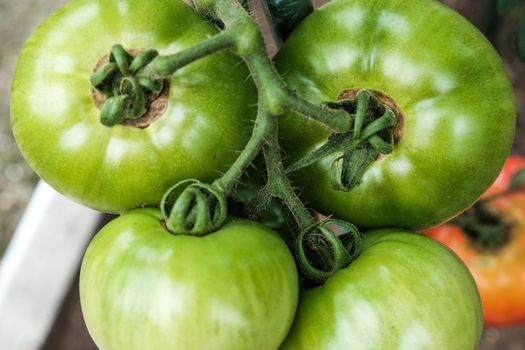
<point>145,287</point>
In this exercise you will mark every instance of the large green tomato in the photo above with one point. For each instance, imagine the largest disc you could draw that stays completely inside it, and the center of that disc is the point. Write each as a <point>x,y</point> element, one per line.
<point>457,105</point>
<point>404,292</point>
<point>56,122</point>
<point>145,289</point>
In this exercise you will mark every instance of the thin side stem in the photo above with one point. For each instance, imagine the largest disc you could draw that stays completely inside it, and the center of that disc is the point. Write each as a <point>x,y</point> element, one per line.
<point>163,67</point>
<point>336,119</point>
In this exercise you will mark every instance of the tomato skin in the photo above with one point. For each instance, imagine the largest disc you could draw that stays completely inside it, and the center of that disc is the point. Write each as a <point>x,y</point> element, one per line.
<point>56,123</point>
<point>405,291</point>
<point>499,272</point>
<point>143,288</point>
<point>457,103</point>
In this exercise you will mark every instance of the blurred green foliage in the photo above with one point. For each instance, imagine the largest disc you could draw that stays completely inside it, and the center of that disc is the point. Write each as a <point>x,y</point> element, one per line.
<point>497,11</point>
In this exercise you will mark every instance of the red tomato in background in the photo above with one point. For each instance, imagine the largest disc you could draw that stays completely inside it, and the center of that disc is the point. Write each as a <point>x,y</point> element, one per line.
<point>499,271</point>
<point>513,164</point>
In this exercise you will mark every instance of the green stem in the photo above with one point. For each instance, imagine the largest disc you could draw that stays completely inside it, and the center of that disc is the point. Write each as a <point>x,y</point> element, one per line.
<point>278,184</point>
<point>162,67</point>
<point>249,44</point>
<point>336,143</point>
<point>243,36</point>
<point>196,208</point>
<point>347,142</point>
<point>279,98</point>
<point>193,208</point>
<point>372,134</point>
<point>227,182</point>
<point>336,120</point>
<point>199,208</point>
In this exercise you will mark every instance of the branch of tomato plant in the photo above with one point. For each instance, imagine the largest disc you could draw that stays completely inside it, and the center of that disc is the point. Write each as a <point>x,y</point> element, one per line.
<point>242,35</point>
<point>325,252</point>
<point>261,130</point>
<point>278,184</point>
<point>195,208</point>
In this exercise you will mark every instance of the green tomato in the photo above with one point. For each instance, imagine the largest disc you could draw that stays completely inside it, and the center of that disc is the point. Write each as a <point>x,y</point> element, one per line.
<point>57,124</point>
<point>457,105</point>
<point>144,288</point>
<point>405,291</point>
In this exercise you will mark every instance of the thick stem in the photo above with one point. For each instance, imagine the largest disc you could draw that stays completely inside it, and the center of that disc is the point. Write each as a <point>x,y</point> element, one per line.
<point>273,91</point>
<point>227,182</point>
<point>278,184</point>
<point>279,98</point>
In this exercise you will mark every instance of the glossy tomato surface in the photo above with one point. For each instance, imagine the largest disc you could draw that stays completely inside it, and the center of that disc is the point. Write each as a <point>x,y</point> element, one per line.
<point>144,288</point>
<point>404,291</point>
<point>499,271</point>
<point>456,102</point>
<point>56,122</point>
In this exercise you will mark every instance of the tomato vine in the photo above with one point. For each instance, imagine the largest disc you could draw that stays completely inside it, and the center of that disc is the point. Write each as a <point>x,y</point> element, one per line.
<point>200,209</point>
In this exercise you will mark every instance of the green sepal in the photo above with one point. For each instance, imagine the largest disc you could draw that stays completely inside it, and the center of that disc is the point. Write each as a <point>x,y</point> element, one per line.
<point>347,171</point>
<point>121,57</point>
<point>102,79</point>
<point>111,113</point>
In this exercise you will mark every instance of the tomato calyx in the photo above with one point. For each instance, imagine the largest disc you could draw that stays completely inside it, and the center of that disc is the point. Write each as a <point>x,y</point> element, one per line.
<point>382,99</point>
<point>126,96</point>
<point>196,210</point>
<point>372,135</point>
<point>321,252</point>
<point>486,230</point>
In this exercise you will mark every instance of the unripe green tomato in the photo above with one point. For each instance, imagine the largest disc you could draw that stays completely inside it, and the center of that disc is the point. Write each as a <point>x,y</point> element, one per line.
<point>405,291</point>
<point>456,108</point>
<point>142,288</point>
<point>56,121</point>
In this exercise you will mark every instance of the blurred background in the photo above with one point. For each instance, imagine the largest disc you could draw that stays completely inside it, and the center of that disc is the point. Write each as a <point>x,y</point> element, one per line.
<point>17,181</point>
